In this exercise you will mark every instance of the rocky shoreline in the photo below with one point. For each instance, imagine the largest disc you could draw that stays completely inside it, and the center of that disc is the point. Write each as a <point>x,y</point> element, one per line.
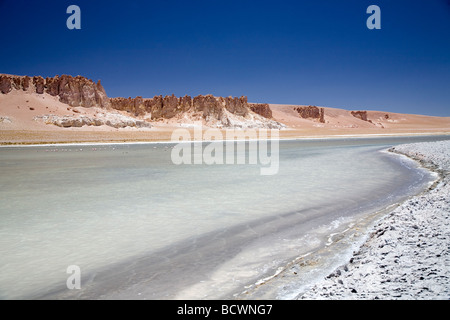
<point>407,254</point>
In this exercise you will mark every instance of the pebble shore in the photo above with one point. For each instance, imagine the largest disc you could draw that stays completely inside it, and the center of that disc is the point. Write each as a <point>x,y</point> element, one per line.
<point>407,254</point>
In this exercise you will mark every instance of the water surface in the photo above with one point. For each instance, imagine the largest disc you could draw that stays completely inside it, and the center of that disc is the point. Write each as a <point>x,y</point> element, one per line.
<point>139,226</point>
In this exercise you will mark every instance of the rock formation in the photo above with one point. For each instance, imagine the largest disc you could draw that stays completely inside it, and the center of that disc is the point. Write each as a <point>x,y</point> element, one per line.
<point>237,106</point>
<point>208,106</point>
<point>111,120</point>
<point>39,84</point>
<point>311,112</point>
<point>5,84</point>
<point>262,109</point>
<point>360,115</point>
<point>134,106</point>
<point>82,92</point>
<point>74,91</point>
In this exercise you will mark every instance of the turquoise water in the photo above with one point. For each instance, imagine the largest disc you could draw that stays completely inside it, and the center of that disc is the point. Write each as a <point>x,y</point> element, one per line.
<point>139,226</point>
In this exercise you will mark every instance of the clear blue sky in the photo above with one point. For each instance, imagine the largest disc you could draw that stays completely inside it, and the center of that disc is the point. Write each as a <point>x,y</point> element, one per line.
<point>292,52</point>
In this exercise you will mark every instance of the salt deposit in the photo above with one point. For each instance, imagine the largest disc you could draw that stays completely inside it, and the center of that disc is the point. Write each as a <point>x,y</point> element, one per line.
<point>406,256</point>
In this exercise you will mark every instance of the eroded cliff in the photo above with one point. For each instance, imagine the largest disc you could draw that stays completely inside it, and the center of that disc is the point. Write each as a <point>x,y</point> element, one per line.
<point>82,92</point>
<point>360,115</point>
<point>311,112</point>
<point>75,91</point>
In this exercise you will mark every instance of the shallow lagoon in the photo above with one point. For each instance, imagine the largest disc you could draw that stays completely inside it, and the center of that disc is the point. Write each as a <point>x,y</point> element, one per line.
<point>139,226</point>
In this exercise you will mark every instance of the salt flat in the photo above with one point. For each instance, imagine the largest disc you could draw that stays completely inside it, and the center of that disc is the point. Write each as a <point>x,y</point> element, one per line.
<point>406,255</point>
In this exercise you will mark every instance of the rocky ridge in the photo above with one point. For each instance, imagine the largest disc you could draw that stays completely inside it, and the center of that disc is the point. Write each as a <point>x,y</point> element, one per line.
<point>261,109</point>
<point>221,112</point>
<point>312,112</point>
<point>360,115</point>
<point>75,91</point>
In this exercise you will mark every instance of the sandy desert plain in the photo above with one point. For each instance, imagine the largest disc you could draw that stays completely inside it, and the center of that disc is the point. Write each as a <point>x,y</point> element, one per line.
<point>19,110</point>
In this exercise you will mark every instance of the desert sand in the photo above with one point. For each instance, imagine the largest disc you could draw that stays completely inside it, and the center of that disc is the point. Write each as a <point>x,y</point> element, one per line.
<point>341,122</point>
<point>22,121</point>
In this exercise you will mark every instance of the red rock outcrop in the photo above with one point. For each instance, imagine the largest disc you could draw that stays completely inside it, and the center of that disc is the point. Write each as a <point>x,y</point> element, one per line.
<point>82,92</point>
<point>185,104</point>
<point>159,107</point>
<point>360,115</point>
<point>169,106</point>
<point>5,84</point>
<point>134,106</point>
<point>25,83</point>
<point>74,91</point>
<point>311,112</point>
<point>262,109</point>
<point>39,84</point>
<point>237,106</point>
<point>78,91</point>
<point>208,105</point>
